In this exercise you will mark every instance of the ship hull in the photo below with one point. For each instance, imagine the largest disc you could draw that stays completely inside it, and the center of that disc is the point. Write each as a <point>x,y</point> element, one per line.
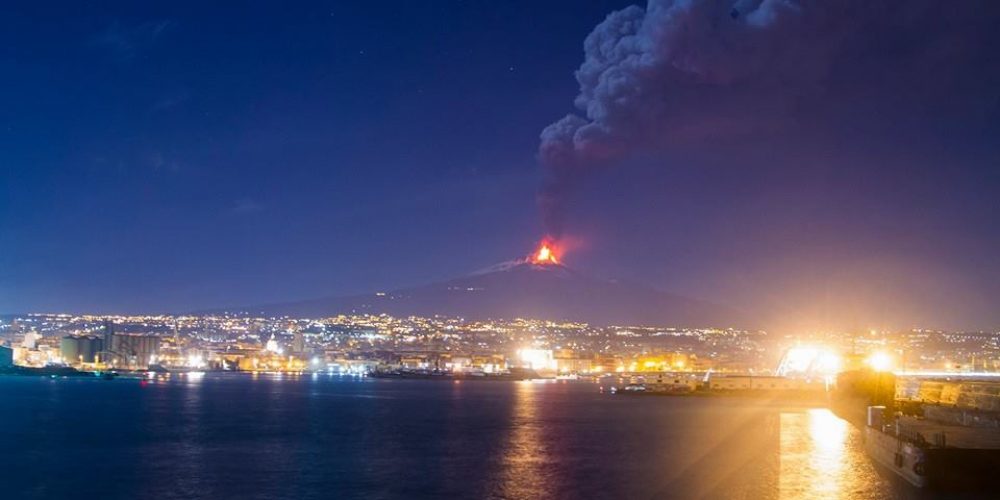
<point>902,458</point>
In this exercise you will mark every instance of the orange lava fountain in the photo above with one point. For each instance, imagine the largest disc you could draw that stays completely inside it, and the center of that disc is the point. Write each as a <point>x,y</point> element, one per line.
<point>546,254</point>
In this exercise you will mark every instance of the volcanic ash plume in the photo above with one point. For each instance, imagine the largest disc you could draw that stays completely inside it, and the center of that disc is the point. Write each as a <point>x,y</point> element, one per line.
<point>683,71</point>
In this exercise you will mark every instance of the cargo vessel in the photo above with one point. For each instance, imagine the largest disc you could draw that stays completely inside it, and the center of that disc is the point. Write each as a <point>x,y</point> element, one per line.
<point>934,455</point>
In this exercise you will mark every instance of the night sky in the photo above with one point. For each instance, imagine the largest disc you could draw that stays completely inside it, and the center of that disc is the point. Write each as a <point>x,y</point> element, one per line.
<point>823,164</point>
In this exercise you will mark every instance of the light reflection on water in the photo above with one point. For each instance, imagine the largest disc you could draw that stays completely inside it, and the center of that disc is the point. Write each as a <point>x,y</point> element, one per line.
<point>245,436</point>
<point>821,456</point>
<point>525,452</point>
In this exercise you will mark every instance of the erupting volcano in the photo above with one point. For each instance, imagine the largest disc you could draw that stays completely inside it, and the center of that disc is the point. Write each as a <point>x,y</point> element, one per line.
<point>546,254</point>
<point>538,286</point>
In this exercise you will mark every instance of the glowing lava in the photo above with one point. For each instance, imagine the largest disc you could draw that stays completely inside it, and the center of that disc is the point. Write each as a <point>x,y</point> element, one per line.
<point>545,255</point>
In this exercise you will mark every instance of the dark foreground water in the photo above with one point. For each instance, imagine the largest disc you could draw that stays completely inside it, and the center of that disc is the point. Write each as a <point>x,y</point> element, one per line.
<point>242,436</point>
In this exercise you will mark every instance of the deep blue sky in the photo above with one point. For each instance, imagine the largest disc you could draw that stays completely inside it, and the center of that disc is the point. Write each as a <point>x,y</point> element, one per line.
<point>179,156</point>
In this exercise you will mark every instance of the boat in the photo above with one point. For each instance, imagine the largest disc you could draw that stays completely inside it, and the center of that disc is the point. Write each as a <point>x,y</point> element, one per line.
<point>630,388</point>
<point>895,450</point>
<point>933,455</point>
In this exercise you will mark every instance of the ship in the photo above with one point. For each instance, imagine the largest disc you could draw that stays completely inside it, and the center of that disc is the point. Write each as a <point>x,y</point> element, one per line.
<point>933,455</point>
<point>934,435</point>
<point>894,449</point>
<point>630,388</point>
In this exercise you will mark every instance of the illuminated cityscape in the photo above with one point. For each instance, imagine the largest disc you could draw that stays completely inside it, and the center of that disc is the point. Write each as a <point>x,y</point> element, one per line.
<point>517,250</point>
<point>361,343</point>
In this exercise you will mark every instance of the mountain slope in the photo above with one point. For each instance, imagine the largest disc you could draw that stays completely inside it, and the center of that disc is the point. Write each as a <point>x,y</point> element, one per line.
<point>521,289</point>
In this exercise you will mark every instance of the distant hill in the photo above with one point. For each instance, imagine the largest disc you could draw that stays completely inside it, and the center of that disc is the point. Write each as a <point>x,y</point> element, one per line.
<point>526,290</point>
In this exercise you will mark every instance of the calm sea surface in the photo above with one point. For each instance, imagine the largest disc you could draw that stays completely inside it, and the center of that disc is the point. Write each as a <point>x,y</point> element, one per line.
<point>240,436</point>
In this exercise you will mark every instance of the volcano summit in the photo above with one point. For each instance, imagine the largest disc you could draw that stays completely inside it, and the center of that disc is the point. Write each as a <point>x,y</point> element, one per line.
<point>538,287</point>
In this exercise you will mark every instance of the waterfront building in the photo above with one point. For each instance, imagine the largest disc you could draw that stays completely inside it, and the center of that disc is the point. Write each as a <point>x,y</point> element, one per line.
<point>977,395</point>
<point>31,340</point>
<point>573,365</point>
<point>672,381</point>
<point>298,343</point>
<point>414,361</point>
<point>272,346</point>
<point>109,331</point>
<point>759,383</point>
<point>130,351</point>
<point>69,349</point>
<point>76,350</point>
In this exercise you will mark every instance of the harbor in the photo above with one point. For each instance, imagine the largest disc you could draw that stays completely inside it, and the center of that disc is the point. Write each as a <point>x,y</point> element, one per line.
<point>945,445</point>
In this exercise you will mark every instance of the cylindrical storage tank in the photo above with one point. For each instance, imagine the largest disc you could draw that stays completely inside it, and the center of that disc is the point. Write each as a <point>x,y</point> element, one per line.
<point>69,349</point>
<point>89,347</point>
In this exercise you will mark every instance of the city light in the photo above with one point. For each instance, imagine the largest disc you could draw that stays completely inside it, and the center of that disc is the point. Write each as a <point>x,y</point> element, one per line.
<point>880,361</point>
<point>348,344</point>
<point>195,361</point>
<point>810,360</point>
<point>828,363</point>
<point>537,359</point>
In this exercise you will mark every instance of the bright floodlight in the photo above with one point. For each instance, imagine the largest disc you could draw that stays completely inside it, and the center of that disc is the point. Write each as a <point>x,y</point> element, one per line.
<point>537,359</point>
<point>828,363</point>
<point>809,361</point>
<point>880,361</point>
<point>195,361</point>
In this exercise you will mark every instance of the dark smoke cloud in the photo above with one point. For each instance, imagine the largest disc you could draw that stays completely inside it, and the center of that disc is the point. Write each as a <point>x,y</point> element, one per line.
<point>682,71</point>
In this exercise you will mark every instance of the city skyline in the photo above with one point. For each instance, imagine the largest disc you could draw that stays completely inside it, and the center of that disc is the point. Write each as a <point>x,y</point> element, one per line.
<point>158,160</point>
